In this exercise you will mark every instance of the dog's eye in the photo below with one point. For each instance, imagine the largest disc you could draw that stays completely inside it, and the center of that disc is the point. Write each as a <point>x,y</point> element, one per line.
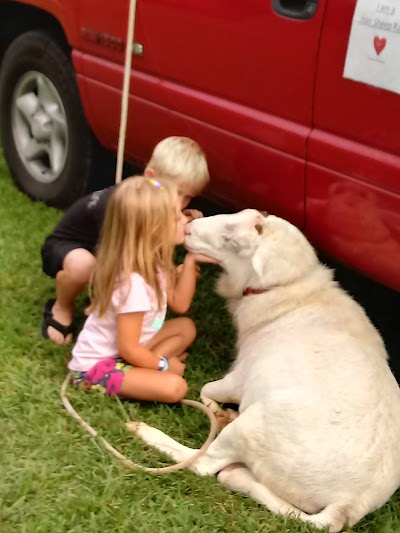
<point>259,229</point>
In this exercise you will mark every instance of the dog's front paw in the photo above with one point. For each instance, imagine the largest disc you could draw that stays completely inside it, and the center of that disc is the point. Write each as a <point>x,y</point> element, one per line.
<point>141,429</point>
<point>132,426</point>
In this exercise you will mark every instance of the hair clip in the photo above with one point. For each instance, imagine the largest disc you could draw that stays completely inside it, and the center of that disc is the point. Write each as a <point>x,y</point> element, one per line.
<point>156,184</point>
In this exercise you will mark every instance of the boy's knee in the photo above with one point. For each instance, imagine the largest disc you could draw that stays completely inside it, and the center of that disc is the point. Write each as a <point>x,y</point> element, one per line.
<point>177,390</point>
<point>78,265</point>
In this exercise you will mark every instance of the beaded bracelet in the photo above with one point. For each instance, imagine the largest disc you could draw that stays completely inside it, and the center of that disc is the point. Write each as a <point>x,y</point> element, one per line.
<point>163,364</point>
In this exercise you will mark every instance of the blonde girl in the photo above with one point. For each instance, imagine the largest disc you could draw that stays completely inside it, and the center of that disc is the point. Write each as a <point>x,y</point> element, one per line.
<point>126,347</point>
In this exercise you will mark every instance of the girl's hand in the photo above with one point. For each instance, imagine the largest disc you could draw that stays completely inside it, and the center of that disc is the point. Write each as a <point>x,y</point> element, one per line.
<point>179,270</point>
<point>180,291</point>
<point>176,366</point>
<point>191,214</point>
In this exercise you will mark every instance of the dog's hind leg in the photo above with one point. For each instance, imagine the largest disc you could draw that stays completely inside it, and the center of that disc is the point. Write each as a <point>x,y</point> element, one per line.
<point>337,515</point>
<point>220,453</point>
<point>239,478</point>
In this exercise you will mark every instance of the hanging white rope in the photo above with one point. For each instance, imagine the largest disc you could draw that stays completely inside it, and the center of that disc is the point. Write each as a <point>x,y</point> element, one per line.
<point>125,90</point>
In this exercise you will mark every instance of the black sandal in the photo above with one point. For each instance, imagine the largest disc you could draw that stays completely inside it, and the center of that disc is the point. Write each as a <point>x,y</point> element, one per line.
<point>49,320</point>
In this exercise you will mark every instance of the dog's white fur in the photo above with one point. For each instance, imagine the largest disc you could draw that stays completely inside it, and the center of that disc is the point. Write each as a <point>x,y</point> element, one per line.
<point>318,434</point>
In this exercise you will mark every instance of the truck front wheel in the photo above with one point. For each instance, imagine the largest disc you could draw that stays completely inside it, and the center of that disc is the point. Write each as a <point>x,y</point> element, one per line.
<point>47,143</point>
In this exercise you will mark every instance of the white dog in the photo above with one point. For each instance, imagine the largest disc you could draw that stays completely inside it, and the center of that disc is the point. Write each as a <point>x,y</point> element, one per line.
<point>318,431</point>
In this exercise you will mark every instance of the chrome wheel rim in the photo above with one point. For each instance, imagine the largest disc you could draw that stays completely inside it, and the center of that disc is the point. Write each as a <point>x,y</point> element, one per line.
<point>39,127</point>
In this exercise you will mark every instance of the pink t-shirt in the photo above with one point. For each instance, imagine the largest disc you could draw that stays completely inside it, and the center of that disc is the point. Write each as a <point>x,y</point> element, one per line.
<point>98,338</point>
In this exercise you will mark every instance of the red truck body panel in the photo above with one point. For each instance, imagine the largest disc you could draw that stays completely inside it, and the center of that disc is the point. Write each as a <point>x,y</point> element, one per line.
<point>264,94</point>
<point>353,169</point>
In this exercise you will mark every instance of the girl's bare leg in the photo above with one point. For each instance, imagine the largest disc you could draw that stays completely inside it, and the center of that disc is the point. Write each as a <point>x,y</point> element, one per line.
<point>151,385</point>
<point>173,339</point>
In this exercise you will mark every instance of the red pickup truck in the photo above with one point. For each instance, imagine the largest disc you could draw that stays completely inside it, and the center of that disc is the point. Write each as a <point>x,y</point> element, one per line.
<point>258,83</point>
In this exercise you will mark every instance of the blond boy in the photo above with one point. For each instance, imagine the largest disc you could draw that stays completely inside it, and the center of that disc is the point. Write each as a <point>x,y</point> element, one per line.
<point>68,252</point>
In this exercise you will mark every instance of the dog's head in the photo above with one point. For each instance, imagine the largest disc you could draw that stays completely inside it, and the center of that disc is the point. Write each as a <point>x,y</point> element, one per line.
<point>261,251</point>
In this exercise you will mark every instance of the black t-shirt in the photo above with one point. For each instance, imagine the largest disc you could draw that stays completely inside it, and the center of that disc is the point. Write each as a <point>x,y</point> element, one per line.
<point>82,221</point>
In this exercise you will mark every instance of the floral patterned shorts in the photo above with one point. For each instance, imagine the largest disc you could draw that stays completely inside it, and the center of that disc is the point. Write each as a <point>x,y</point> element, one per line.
<point>105,376</point>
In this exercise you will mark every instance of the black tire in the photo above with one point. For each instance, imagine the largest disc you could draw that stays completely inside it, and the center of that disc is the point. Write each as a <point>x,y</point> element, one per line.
<point>36,56</point>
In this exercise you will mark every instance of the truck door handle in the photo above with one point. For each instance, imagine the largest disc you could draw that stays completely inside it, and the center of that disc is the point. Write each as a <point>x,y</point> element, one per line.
<point>296,9</point>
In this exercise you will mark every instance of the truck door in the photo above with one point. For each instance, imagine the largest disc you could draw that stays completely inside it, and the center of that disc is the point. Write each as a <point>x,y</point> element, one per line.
<point>353,184</point>
<point>237,76</point>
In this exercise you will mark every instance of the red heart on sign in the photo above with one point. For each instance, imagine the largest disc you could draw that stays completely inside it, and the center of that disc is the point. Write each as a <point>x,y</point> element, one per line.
<point>379,44</point>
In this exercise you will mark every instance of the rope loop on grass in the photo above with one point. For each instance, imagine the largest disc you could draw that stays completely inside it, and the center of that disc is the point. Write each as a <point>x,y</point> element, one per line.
<point>127,462</point>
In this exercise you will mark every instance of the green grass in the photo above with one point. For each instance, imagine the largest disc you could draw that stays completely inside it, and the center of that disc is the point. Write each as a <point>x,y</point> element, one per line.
<point>55,477</point>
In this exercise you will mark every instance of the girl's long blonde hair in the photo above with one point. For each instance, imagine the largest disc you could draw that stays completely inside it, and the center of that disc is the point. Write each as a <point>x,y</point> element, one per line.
<point>138,235</point>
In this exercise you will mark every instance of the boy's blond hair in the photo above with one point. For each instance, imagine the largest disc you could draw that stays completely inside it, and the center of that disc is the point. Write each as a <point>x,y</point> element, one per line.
<point>138,235</point>
<point>181,158</point>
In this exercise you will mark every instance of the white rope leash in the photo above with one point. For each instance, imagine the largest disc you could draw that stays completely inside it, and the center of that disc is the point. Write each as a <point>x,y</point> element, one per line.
<point>130,464</point>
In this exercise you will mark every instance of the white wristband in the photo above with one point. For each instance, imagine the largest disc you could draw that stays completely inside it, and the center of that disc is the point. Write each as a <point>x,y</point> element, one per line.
<point>163,364</point>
